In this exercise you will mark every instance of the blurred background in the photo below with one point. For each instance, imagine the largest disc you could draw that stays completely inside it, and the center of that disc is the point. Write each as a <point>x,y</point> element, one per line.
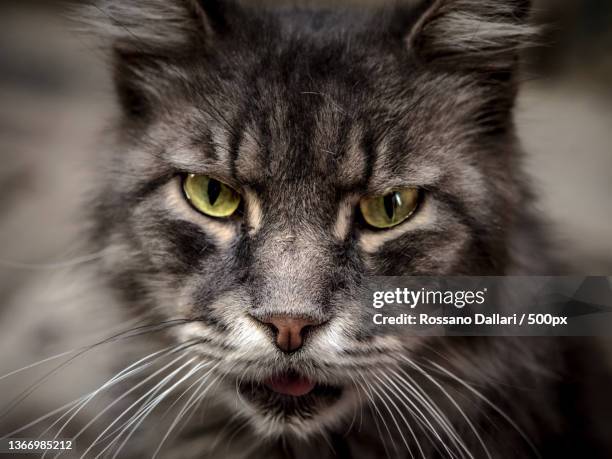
<point>55,101</point>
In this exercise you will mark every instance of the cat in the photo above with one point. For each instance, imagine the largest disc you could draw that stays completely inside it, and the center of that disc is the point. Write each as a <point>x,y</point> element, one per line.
<point>231,214</point>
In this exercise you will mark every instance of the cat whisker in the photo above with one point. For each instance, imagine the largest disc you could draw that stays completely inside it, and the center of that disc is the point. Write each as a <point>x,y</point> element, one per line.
<point>78,434</point>
<point>42,418</point>
<point>80,403</point>
<point>325,436</point>
<point>181,395</point>
<point>426,425</point>
<point>354,418</point>
<point>185,408</point>
<point>38,363</point>
<point>360,389</point>
<point>121,397</point>
<point>54,265</point>
<point>360,404</point>
<point>197,403</point>
<point>382,395</point>
<point>126,373</point>
<point>192,404</point>
<point>496,408</point>
<point>140,330</point>
<point>454,403</point>
<point>368,388</point>
<point>138,419</point>
<point>239,381</point>
<point>427,402</point>
<point>420,418</point>
<point>150,396</point>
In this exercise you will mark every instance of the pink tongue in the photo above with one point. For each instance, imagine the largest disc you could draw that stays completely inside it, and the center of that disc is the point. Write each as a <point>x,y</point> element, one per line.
<point>295,386</point>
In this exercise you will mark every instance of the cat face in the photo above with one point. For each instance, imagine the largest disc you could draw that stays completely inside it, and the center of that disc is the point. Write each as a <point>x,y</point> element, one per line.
<point>301,117</point>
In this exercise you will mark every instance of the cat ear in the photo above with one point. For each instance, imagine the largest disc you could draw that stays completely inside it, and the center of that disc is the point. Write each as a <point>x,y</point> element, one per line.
<point>470,33</point>
<point>145,38</point>
<point>152,26</point>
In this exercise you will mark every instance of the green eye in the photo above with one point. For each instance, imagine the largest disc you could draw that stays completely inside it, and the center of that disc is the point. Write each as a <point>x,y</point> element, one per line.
<point>391,209</point>
<point>210,196</point>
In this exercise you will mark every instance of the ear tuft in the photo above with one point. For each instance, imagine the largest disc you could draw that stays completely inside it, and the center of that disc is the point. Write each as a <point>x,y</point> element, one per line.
<point>147,26</point>
<point>472,33</point>
<point>143,39</point>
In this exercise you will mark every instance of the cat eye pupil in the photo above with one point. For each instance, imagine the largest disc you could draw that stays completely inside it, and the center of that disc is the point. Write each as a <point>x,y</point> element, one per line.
<point>392,202</point>
<point>214,190</point>
<point>390,209</point>
<point>210,197</point>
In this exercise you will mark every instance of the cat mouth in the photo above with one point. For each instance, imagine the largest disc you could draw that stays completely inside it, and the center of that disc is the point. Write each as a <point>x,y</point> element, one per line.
<point>290,394</point>
<point>288,384</point>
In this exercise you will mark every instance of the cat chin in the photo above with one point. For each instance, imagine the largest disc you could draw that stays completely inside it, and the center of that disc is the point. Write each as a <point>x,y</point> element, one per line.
<point>273,416</point>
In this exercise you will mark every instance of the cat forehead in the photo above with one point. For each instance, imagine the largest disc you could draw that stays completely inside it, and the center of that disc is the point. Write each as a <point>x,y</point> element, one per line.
<point>322,109</point>
<point>262,152</point>
<point>345,134</point>
<point>333,153</point>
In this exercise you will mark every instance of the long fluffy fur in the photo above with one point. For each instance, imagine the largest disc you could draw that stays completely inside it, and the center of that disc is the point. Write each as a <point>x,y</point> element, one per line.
<point>470,32</point>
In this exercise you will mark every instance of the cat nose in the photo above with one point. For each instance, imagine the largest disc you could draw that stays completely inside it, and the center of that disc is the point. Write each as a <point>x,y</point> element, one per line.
<point>289,331</point>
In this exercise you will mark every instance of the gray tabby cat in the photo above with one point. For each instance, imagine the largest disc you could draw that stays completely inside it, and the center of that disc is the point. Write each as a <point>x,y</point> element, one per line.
<point>268,160</point>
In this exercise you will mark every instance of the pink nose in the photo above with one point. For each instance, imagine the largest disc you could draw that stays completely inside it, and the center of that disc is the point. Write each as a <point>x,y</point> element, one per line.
<point>289,331</point>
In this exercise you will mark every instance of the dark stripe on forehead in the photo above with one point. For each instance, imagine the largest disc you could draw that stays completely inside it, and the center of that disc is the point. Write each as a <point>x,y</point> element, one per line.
<point>368,145</point>
<point>266,144</point>
<point>203,140</point>
<point>235,140</point>
<point>343,135</point>
<point>352,170</point>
